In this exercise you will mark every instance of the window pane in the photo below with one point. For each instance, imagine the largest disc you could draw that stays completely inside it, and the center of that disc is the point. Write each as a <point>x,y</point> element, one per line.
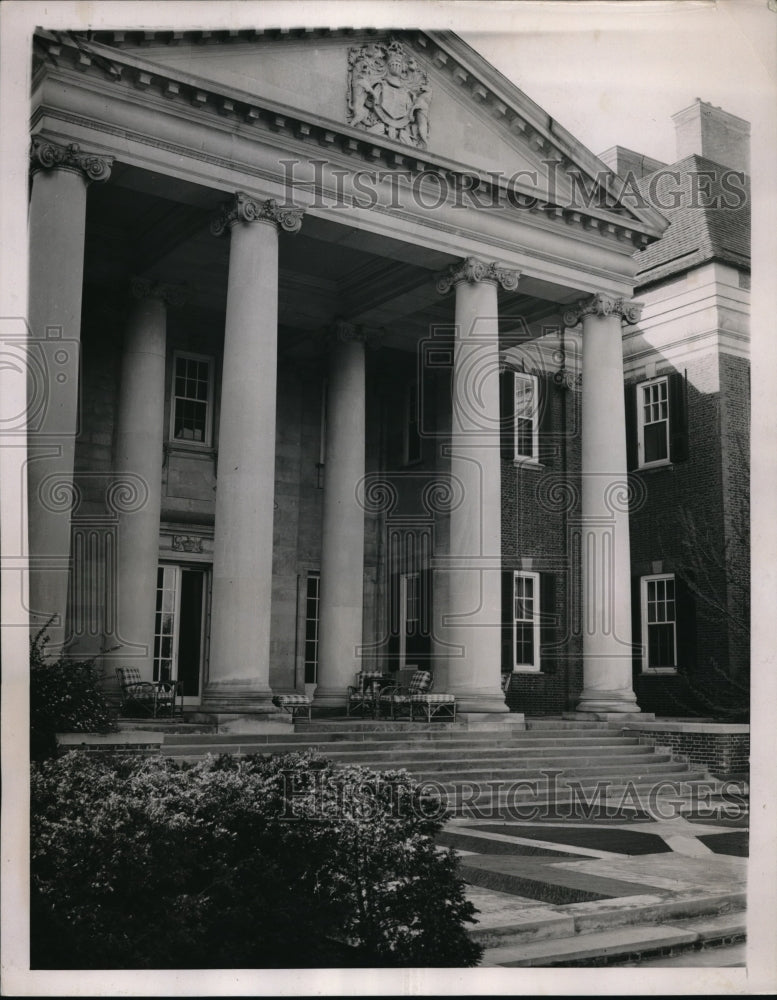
<point>655,442</point>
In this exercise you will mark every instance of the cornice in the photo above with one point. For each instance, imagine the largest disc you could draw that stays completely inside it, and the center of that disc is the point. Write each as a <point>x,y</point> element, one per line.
<point>122,68</point>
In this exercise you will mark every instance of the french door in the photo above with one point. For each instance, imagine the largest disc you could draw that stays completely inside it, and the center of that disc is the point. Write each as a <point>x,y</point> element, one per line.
<point>180,631</point>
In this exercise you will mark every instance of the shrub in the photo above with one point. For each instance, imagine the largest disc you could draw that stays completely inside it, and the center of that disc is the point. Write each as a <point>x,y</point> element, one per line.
<point>253,862</point>
<point>65,697</point>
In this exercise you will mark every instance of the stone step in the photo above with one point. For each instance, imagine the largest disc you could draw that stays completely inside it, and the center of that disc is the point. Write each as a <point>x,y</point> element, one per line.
<point>545,939</point>
<point>715,917</point>
<point>499,769</point>
<point>679,782</point>
<point>271,744</point>
<point>529,755</point>
<point>621,942</point>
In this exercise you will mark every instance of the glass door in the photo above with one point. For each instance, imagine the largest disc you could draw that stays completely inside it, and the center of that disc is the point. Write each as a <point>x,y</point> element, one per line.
<point>179,633</point>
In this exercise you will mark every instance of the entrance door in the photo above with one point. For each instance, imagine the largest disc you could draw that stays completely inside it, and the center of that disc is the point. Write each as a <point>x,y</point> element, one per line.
<point>413,632</point>
<point>179,639</point>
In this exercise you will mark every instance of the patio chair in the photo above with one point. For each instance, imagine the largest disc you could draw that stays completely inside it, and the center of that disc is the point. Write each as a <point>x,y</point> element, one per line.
<point>139,696</point>
<point>294,704</point>
<point>398,698</point>
<point>363,695</point>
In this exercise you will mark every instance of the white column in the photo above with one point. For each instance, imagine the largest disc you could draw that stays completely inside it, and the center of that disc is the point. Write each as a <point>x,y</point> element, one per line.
<point>606,573</point>
<point>342,545</point>
<point>243,541</point>
<point>138,467</point>
<point>474,577</point>
<point>61,175</point>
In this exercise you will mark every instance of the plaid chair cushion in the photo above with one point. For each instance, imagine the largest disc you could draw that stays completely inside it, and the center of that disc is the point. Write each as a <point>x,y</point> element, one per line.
<point>420,681</point>
<point>365,679</point>
<point>292,699</point>
<point>436,699</point>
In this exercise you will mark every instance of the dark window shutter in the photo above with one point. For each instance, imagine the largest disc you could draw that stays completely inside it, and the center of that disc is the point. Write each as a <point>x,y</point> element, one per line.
<point>507,413</point>
<point>548,623</point>
<point>632,453</point>
<point>546,424</point>
<point>678,417</point>
<point>685,616</point>
<point>507,621</point>
<point>427,385</point>
<point>636,622</point>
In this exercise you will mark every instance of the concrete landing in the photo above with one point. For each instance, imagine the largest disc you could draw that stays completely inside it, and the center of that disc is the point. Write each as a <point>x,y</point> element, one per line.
<point>591,893</point>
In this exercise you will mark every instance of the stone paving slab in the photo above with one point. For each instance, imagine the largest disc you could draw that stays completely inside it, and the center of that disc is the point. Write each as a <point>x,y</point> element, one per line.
<point>673,872</point>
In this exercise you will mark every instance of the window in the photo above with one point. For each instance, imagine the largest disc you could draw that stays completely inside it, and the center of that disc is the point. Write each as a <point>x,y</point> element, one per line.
<point>311,628</point>
<point>526,621</point>
<point>411,449</point>
<point>520,416</point>
<point>192,399</point>
<point>525,416</point>
<point>657,421</point>
<point>659,623</point>
<point>653,422</point>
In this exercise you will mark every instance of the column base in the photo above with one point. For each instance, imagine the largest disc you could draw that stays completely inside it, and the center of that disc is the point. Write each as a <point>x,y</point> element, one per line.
<point>608,701</point>
<point>238,697</point>
<point>589,716</point>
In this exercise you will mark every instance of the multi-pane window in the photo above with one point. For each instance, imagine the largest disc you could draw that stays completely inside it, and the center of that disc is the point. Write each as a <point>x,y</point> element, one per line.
<point>659,621</point>
<point>653,422</point>
<point>526,621</point>
<point>165,626</point>
<point>192,398</point>
<point>311,627</point>
<point>412,438</point>
<point>412,602</point>
<point>525,416</point>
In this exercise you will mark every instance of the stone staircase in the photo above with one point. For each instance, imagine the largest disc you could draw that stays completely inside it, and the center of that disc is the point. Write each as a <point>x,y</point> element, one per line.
<point>479,770</point>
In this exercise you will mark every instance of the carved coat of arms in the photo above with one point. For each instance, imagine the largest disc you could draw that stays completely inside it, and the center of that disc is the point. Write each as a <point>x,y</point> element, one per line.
<point>388,93</point>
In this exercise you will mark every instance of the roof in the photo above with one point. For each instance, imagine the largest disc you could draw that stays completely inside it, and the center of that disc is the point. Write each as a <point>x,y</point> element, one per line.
<point>711,220</point>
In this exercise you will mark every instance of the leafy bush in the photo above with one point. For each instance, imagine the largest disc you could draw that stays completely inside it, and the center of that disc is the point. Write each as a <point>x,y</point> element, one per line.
<point>65,697</point>
<point>253,862</point>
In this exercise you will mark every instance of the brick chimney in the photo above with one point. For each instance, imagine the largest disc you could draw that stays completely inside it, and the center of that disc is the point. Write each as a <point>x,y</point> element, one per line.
<point>717,135</point>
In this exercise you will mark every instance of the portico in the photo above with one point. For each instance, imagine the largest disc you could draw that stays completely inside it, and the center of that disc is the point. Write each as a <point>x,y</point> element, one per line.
<point>288,343</point>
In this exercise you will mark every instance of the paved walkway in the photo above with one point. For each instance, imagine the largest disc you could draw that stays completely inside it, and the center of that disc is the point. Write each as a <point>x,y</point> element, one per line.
<point>582,892</point>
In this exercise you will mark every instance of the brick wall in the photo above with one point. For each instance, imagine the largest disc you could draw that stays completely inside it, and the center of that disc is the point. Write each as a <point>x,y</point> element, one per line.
<point>722,752</point>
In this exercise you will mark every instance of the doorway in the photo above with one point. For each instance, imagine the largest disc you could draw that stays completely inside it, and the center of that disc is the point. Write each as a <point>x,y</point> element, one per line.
<point>180,633</point>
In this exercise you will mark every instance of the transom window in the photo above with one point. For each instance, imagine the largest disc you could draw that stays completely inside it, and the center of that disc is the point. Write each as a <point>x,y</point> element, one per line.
<point>654,421</point>
<point>659,622</point>
<point>525,416</point>
<point>192,399</point>
<point>526,621</point>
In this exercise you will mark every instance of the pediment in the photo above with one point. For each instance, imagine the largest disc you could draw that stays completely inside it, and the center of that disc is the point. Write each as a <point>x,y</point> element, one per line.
<point>440,100</point>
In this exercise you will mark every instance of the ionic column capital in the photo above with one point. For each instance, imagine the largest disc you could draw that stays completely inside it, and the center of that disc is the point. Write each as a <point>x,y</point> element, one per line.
<point>241,208</point>
<point>602,304</point>
<point>147,288</point>
<point>45,155</point>
<point>472,270</point>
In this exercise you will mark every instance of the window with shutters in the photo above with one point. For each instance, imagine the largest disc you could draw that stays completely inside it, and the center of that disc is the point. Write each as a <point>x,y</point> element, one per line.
<point>659,623</point>
<point>526,621</point>
<point>653,421</point>
<point>656,422</point>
